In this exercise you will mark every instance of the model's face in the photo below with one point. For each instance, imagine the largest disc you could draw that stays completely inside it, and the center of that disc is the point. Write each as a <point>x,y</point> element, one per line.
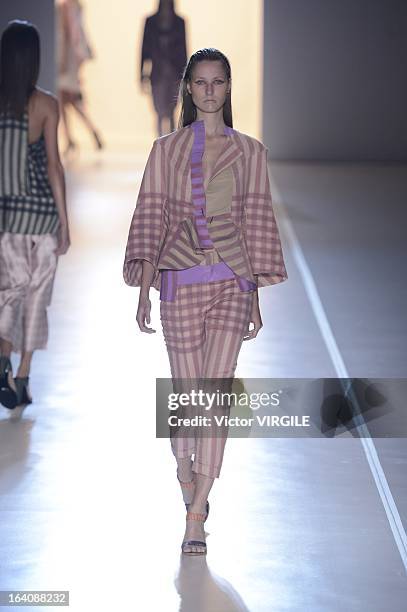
<point>209,86</point>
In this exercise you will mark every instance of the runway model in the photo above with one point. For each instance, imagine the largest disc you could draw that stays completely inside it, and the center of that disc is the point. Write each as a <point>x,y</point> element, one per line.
<point>204,234</point>
<point>164,49</point>
<point>33,219</point>
<point>73,50</point>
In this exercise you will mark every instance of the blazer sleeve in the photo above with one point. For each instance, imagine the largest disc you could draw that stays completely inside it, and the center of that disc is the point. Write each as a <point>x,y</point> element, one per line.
<point>260,226</point>
<point>147,228</point>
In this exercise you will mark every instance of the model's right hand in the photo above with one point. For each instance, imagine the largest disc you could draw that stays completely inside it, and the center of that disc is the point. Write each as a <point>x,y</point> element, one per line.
<point>143,314</point>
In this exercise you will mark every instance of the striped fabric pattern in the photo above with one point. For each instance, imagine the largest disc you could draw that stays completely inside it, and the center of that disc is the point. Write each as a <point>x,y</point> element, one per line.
<point>28,208</point>
<point>210,269</point>
<point>197,309</point>
<point>203,331</point>
<point>197,186</point>
<point>217,196</point>
<point>197,183</point>
<point>13,153</point>
<point>163,229</point>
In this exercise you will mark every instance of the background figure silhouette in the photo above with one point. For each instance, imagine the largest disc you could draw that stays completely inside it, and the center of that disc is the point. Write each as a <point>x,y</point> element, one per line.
<point>73,49</point>
<point>163,58</point>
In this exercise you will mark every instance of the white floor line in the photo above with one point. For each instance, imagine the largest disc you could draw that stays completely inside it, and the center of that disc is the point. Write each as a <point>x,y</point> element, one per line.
<point>369,448</point>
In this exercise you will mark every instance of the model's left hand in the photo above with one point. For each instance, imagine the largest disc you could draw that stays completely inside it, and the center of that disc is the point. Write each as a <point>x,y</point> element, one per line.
<point>255,318</point>
<point>64,241</point>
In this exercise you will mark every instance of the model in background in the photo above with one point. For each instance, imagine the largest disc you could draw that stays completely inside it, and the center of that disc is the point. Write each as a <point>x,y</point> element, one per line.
<point>163,59</point>
<point>33,218</point>
<point>204,234</point>
<point>73,50</point>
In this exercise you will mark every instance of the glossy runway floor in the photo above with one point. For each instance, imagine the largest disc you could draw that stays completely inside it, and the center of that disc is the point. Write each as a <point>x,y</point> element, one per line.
<point>89,499</point>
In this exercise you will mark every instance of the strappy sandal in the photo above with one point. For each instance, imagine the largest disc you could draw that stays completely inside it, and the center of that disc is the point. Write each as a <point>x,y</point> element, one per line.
<point>8,391</point>
<point>194,516</point>
<point>187,486</point>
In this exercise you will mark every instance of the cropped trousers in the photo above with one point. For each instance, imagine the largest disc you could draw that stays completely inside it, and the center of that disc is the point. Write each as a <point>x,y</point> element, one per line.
<point>27,270</point>
<point>203,330</point>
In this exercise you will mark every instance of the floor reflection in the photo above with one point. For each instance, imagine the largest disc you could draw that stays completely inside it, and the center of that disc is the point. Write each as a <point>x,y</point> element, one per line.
<point>89,500</point>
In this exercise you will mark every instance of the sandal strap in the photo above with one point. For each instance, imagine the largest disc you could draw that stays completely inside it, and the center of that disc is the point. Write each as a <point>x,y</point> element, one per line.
<point>207,507</point>
<point>194,543</point>
<point>195,516</point>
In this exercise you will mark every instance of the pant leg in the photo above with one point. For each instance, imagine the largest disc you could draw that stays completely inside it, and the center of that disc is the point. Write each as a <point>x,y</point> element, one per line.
<point>43,261</point>
<point>27,270</point>
<point>184,334</point>
<point>226,323</point>
<point>14,282</point>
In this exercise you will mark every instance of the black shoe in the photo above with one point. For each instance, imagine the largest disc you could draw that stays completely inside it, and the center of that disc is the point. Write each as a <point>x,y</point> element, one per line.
<point>8,390</point>
<point>23,396</point>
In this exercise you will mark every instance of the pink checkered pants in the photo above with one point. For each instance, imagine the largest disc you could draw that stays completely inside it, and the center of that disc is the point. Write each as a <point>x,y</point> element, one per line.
<point>203,331</point>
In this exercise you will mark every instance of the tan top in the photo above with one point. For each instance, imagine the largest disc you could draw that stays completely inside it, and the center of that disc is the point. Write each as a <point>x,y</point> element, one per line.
<point>218,201</point>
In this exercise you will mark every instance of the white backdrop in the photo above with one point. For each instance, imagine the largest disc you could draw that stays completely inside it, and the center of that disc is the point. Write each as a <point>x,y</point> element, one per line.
<point>125,115</point>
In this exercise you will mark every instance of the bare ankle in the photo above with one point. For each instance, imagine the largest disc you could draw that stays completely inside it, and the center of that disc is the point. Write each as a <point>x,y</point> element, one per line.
<point>184,469</point>
<point>198,507</point>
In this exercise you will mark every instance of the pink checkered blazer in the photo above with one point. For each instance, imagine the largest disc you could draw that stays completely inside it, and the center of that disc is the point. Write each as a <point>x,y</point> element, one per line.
<point>162,228</point>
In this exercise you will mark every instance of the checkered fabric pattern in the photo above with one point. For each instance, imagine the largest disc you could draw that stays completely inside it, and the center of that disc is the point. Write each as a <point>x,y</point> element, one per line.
<point>149,223</point>
<point>247,238</point>
<point>198,308</point>
<point>260,227</point>
<point>13,153</point>
<point>27,204</point>
<point>203,331</point>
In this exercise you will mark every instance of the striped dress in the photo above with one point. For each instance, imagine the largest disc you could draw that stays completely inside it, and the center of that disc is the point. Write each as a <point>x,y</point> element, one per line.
<point>27,205</point>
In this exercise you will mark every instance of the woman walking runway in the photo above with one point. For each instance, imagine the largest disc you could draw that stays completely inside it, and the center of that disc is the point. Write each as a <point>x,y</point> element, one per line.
<point>164,48</point>
<point>73,50</point>
<point>33,218</point>
<point>204,234</point>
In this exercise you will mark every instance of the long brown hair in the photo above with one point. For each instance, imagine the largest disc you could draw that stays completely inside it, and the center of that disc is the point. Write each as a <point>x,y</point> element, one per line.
<point>188,108</point>
<point>19,66</point>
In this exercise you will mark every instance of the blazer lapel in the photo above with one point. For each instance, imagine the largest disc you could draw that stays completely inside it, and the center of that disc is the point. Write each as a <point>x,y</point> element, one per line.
<point>230,153</point>
<point>180,154</point>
